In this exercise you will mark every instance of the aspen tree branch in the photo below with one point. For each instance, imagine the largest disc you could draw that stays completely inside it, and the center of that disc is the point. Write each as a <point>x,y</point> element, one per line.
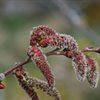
<point>53,52</point>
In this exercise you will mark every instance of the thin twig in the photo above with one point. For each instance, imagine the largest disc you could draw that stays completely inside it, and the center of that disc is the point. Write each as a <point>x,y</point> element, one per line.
<point>91,49</point>
<point>17,66</point>
<point>55,52</point>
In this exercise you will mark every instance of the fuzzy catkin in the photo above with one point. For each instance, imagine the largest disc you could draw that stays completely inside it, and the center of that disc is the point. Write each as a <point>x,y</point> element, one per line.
<point>80,66</point>
<point>62,41</point>
<point>42,85</point>
<point>46,38</point>
<point>43,36</point>
<point>28,84</point>
<point>78,58</point>
<point>21,76</point>
<point>30,91</point>
<point>40,60</point>
<point>92,72</point>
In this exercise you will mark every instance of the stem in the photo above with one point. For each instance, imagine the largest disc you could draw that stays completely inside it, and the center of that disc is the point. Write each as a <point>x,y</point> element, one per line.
<point>53,52</point>
<point>17,66</point>
<point>91,49</point>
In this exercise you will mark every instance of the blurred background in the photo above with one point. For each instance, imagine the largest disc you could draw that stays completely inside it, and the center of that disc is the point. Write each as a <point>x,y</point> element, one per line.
<point>78,18</point>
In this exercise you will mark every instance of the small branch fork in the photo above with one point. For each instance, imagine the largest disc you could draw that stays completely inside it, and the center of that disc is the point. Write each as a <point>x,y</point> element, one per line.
<point>53,52</point>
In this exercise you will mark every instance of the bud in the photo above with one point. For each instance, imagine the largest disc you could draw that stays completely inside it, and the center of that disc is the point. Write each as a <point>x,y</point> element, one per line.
<point>2,86</point>
<point>2,76</point>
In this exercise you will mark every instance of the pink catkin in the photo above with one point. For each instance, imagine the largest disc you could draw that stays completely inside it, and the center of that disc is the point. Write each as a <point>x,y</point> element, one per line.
<point>40,60</point>
<point>21,75</point>
<point>66,41</point>
<point>49,37</point>
<point>92,73</point>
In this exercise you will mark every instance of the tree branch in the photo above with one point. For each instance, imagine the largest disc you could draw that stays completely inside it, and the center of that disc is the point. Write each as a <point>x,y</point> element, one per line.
<point>53,52</point>
<point>91,49</point>
<point>15,67</point>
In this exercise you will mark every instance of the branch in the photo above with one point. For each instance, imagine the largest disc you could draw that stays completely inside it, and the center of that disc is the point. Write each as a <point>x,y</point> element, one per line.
<point>53,52</point>
<point>91,49</point>
<point>9,71</point>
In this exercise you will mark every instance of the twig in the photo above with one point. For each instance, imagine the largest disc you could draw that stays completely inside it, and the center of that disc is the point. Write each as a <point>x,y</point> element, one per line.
<point>91,49</point>
<point>55,52</point>
<point>17,66</point>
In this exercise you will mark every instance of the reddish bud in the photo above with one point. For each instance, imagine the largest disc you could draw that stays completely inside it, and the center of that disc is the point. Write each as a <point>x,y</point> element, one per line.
<point>2,86</point>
